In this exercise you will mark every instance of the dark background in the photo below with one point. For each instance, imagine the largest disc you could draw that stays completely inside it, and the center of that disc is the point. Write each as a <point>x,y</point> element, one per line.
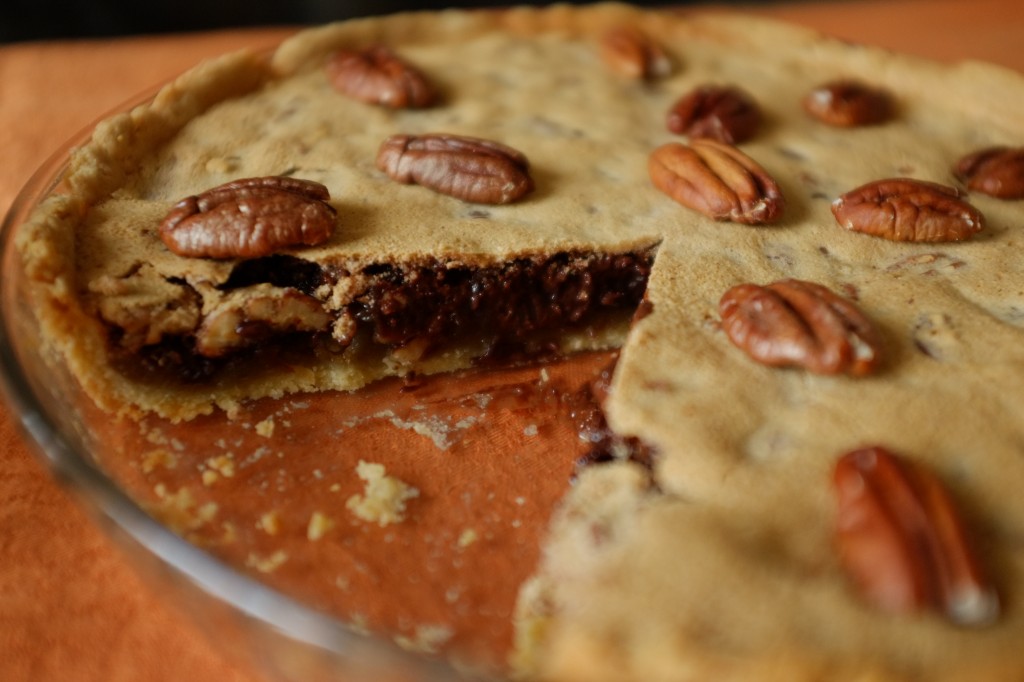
<point>45,19</point>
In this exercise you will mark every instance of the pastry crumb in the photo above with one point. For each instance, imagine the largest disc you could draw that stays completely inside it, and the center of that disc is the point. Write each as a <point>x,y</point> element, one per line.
<point>359,624</point>
<point>156,437</point>
<point>270,523</point>
<point>229,534</point>
<point>267,564</point>
<point>218,467</point>
<point>468,537</point>
<point>222,464</point>
<point>384,497</point>
<point>265,428</point>
<point>427,639</point>
<point>181,511</point>
<point>319,524</point>
<point>158,458</point>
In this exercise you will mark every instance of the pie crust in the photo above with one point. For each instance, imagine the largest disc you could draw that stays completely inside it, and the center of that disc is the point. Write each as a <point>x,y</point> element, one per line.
<point>718,561</point>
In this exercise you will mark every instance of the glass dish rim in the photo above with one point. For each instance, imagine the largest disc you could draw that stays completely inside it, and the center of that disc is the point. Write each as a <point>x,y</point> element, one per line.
<point>104,500</point>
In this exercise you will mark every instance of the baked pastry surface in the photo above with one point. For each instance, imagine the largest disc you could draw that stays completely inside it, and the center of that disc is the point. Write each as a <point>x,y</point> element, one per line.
<point>719,562</point>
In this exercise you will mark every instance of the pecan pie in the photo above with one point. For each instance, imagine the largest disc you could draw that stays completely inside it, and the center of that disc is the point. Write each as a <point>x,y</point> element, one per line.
<point>425,192</point>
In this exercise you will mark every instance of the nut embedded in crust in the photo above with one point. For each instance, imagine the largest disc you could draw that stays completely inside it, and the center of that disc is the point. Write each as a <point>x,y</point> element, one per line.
<point>902,541</point>
<point>379,76</point>
<point>249,218</point>
<point>468,168</point>
<point>723,113</point>
<point>848,103</point>
<point>907,210</point>
<point>629,52</point>
<point>248,315</point>
<point>801,324</point>
<point>995,171</point>
<point>717,180</point>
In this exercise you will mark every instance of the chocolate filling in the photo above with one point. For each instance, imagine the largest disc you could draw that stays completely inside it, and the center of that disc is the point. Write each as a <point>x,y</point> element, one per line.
<point>508,307</point>
<point>279,270</point>
<point>506,303</point>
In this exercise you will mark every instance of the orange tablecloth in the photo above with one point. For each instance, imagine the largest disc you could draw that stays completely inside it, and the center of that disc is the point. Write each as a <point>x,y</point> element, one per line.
<point>71,609</point>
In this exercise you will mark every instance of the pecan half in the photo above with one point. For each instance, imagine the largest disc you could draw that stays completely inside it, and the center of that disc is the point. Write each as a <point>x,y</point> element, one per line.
<point>247,316</point>
<point>468,168</point>
<point>905,210</point>
<point>722,113</point>
<point>249,218</point>
<point>796,323</point>
<point>902,541</point>
<point>379,76</point>
<point>629,52</point>
<point>847,104</point>
<point>145,306</point>
<point>717,180</point>
<point>996,171</point>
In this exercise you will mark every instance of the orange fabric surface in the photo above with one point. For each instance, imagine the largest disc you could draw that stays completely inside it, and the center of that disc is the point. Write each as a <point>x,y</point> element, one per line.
<point>71,608</point>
